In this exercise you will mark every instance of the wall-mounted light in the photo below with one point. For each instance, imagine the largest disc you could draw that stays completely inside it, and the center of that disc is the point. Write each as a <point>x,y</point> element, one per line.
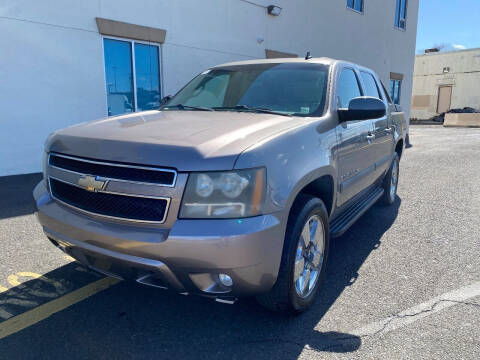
<point>274,10</point>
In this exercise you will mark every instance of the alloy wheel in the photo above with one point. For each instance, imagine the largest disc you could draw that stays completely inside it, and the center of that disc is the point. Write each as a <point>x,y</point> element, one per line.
<point>394,180</point>
<point>309,256</point>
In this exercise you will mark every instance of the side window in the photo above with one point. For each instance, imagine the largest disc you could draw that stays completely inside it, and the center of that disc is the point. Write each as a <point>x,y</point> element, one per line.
<point>132,74</point>
<point>347,88</point>
<point>370,88</point>
<point>401,14</point>
<point>395,90</point>
<point>119,76</point>
<point>355,5</point>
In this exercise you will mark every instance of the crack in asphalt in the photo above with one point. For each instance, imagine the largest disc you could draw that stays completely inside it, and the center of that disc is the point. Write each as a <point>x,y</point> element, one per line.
<point>366,331</point>
<point>403,316</point>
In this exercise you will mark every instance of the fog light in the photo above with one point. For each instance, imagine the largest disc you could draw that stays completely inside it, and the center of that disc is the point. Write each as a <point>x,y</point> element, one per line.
<point>225,280</point>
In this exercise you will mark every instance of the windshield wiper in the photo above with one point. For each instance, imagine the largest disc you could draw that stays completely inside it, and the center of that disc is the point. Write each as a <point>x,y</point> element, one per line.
<point>251,109</point>
<point>187,107</point>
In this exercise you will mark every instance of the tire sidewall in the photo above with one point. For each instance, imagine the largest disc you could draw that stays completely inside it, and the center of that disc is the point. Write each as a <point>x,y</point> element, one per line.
<point>389,179</point>
<point>312,207</point>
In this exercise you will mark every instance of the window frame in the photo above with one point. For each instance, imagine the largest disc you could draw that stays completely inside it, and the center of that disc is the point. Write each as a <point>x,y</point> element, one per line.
<point>380,95</point>
<point>398,8</point>
<point>353,8</point>
<point>388,99</point>
<point>134,73</point>
<point>337,82</point>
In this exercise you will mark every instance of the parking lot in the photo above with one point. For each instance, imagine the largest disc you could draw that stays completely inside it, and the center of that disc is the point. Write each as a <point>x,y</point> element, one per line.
<point>404,282</point>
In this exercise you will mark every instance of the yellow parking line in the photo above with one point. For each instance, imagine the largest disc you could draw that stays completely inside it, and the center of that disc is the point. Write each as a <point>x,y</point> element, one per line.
<point>42,312</point>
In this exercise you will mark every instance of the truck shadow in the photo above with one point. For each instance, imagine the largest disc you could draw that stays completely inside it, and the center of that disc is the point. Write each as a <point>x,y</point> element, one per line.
<point>16,194</point>
<point>134,321</point>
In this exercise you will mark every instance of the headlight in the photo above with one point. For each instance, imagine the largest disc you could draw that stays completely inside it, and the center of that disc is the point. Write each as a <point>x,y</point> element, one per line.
<point>232,194</point>
<point>204,185</point>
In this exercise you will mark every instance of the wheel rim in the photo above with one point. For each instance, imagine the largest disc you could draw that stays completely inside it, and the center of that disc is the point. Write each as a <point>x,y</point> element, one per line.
<point>394,180</point>
<point>309,256</point>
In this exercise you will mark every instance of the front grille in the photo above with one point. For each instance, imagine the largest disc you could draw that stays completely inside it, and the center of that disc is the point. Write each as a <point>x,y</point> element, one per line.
<point>127,172</point>
<point>112,205</point>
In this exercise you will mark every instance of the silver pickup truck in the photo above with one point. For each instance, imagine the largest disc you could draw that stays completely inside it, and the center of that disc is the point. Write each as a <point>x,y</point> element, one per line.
<point>234,187</point>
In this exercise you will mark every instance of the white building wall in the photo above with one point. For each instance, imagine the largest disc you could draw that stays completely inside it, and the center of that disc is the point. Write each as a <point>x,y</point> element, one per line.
<point>52,67</point>
<point>463,76</point>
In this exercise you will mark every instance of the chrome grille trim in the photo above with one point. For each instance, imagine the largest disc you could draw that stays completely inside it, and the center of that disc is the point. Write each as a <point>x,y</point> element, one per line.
<point>108,180</point>
<point>116,165</point>
<point>112,192</point>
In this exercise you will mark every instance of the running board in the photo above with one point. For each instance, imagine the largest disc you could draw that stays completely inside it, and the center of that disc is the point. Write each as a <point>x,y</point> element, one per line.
<point>354,212</point>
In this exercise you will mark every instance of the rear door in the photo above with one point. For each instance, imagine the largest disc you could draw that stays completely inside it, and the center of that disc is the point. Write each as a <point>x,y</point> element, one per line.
<point>356,160</point>
<point>382,127</point>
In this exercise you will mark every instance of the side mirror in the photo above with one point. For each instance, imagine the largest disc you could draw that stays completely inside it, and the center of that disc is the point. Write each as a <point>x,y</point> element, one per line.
<point>165,100</point>
<point>363,108</point>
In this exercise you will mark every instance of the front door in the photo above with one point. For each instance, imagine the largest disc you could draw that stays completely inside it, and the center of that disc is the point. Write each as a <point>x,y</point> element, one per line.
<point>355,155</point>
<point>356,160</point>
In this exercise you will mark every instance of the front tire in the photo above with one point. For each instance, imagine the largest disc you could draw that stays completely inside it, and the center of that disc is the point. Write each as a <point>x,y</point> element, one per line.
<point>303,263</point>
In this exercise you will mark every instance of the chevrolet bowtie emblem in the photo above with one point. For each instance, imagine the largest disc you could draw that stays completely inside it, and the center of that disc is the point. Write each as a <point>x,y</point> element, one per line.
<point>92,183</point>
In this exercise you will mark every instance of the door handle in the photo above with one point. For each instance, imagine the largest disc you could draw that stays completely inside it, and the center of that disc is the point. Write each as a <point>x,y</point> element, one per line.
<point>370,137</point>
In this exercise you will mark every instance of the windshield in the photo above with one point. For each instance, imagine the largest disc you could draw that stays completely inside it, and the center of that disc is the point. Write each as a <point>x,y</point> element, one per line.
<point>288,88</point>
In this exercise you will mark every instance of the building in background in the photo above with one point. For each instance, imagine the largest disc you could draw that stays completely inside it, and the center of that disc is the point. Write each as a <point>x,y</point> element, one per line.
<point>65,61</point>
<point>444,81</point>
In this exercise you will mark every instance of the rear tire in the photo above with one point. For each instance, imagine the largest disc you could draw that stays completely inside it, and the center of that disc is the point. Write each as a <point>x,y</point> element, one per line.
<point>304,258</point>
<point>390,182</point>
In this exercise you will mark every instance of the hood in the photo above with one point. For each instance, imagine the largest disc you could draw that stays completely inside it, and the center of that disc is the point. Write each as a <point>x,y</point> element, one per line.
<point>185,140</point>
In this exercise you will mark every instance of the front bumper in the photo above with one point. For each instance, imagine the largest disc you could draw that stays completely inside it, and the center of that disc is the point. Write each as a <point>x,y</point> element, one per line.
<point>186,257</point>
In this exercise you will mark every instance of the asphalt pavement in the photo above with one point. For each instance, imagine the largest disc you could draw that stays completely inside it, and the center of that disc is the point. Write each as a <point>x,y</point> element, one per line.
<point>402,283</point>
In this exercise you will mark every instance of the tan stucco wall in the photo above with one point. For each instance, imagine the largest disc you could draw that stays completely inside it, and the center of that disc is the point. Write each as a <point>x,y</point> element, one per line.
<point>464,77</point>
